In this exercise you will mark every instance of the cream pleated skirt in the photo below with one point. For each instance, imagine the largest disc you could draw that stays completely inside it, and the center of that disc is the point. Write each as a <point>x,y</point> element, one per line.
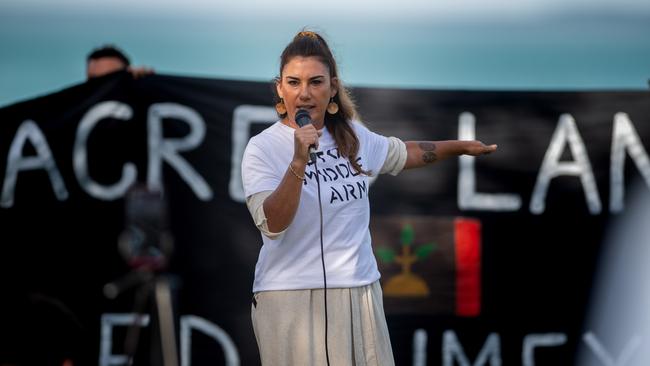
<point>289,327</point>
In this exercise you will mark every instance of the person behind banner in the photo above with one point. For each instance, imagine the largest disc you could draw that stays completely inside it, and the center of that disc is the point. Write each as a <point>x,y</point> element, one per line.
<point>109,59</point>
<point>289,317</point>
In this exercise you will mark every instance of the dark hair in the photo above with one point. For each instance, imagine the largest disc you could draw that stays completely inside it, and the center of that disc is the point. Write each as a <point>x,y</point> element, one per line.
<point>108,51</point>
<point>38,330</point>
<point>311,44</point>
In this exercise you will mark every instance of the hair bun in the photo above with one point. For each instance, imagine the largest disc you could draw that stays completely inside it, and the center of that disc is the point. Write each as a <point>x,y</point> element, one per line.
<point>309,34</point>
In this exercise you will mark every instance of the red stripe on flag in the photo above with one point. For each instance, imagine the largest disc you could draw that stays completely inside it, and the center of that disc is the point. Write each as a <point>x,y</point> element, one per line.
<point>468,267</point>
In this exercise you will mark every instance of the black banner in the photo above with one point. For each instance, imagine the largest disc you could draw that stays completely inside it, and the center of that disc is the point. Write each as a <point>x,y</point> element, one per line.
<point>484,260</point>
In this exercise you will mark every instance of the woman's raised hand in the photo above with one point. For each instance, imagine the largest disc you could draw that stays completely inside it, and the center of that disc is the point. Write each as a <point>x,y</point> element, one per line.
<point>304,137</point>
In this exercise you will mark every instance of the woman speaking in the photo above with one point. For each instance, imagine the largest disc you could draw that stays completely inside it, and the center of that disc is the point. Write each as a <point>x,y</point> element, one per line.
<point>317,298</point>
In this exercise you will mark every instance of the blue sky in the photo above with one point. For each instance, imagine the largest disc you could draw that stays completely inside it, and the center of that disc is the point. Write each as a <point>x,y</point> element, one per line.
<point>406,9</point>
<point>459,44</point>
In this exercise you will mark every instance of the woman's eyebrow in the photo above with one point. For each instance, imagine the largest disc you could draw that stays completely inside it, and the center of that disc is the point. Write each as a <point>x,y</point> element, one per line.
<point>311,78</point>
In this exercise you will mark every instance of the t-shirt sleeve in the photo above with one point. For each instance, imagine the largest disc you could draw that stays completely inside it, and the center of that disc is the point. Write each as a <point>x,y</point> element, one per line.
<point>375,147</point>
<point>257,172</point>
<point>255,204</point>
<point>395,158</point>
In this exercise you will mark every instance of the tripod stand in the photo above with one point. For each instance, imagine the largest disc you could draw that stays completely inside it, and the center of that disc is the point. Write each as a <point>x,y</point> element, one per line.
<point>146,244</point>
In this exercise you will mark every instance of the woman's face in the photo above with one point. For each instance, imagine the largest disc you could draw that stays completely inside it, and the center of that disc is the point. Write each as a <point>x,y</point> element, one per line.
<point>306,84</point>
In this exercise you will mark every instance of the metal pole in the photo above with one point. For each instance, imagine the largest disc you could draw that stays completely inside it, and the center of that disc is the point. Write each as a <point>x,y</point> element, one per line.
<point>166,322</point>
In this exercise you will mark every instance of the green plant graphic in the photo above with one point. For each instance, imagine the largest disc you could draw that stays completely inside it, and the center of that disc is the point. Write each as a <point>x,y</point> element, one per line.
<point>406,283</point>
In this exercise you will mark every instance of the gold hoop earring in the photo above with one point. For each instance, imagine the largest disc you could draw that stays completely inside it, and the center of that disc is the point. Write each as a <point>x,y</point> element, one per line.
<point>332,107</point>
<point>280,107</point>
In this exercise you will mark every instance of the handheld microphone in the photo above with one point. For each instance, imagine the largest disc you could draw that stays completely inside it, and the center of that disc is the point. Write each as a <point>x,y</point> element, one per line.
<point>303,119</point>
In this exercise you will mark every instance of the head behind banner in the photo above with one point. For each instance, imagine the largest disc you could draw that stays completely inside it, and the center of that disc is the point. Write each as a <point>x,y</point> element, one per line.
<point>105,60</point>
<point>311,44</point>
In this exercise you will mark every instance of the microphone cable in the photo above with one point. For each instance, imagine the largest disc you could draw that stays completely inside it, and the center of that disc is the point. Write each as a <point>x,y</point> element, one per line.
<point>322,257</point>
<point>303,118</point>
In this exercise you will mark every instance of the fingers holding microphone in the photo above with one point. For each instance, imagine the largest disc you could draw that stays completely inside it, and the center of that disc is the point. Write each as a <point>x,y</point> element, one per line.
<point>304,138</point>
<point>303,120</point>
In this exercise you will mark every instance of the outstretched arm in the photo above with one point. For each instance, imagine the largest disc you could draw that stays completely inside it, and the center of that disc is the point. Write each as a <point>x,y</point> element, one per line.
<point>421,153</point>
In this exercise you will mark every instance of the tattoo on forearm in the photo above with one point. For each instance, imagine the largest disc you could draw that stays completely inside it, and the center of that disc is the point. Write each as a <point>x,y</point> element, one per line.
<point>429,156</point>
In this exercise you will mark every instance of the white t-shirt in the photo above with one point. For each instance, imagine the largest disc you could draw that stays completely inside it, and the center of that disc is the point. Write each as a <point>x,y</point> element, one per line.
<point>292,261</point>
